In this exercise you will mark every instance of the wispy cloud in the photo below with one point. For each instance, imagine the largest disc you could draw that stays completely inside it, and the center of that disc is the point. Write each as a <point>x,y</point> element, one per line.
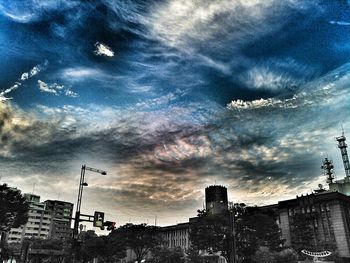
<point>339,23</point>
<point>26,75</point>
<point>55,89</point>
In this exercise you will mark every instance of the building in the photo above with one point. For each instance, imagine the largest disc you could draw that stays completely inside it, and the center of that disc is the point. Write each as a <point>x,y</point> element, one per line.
<point>38,225</point>
<point>329,218</point>
<point>216,202</point>
<point>328,211</point>
<point>61,213</point>
<point>177,236</point>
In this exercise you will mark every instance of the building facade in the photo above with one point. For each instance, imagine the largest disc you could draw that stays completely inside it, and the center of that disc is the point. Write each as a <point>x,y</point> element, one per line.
<point>38,225</point>
<point>61,213</point>
<point>329,218</point>
<point>178,235</point>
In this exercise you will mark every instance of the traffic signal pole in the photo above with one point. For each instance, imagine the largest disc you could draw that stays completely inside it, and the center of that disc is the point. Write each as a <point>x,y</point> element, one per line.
<point>77,219</point>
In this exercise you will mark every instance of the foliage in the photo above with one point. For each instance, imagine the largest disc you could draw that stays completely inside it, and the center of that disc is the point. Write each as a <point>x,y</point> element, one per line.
<point>13,208</point>
<point>254,228</point>
<point>168,255</point>
<point>287,255</point>
<point>10,251</point>
<point>141,239</point>
<point>265,255</point>
<point>52,244</point>
<point>102,247</point>
<point>302,232</point>
<point>193,255</point>
<point>211,233</point>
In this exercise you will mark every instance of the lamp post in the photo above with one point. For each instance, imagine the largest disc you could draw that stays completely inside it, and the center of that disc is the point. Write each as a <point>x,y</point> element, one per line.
<point>82,183</point>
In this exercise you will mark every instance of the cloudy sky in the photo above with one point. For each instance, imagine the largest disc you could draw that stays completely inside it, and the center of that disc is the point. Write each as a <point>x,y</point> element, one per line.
<point>170,96</point>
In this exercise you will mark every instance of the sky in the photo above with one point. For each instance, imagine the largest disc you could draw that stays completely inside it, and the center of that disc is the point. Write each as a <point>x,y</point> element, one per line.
<point>170,96</point>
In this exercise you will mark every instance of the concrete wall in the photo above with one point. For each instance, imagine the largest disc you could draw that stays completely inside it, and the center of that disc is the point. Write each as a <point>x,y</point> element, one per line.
<point>341,231</point>
<point>285,226</point>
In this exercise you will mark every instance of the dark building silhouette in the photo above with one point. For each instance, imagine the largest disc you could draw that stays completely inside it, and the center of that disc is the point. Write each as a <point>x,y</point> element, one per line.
<point>328,215</point>
<point>61,213</point>
<point>216,201</point>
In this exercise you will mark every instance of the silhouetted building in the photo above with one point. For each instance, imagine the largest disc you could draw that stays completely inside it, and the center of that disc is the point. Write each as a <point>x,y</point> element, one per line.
<point>216,201</point>
<point>328,215</point>
<point>61,213</point>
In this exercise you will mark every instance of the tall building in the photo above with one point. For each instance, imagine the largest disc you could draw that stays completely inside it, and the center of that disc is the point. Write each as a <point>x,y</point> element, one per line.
<point>61,213</point>
<point>38,225</point>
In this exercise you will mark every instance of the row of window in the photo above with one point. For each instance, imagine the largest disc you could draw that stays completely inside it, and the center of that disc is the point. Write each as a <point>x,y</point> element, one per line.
<point>182,242</point>
<point>309,209</point>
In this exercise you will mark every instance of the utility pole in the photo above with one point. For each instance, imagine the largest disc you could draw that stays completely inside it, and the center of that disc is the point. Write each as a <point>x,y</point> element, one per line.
<point>77,220</point>
<point>232,255</point>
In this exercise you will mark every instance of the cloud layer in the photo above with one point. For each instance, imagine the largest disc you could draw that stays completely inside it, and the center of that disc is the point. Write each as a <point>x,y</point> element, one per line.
<point>169,97</point>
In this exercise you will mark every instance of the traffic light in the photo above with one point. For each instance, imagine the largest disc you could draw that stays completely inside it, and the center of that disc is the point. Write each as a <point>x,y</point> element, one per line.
<point>98,219</point>
<point>110,225</point>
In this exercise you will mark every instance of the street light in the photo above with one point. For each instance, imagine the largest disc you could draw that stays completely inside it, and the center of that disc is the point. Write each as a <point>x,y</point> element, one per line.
<point>82,183</point>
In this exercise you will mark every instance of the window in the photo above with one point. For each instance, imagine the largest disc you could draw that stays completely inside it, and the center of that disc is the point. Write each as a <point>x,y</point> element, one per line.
<point>322,207</point>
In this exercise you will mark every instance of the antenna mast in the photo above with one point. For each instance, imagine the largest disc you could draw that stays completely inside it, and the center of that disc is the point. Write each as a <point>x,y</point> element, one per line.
<point>328,170</point>
<point>344,154</point>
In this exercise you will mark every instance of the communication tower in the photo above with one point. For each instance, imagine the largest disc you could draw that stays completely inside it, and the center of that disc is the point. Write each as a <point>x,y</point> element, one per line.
<point>328,170</point>
<point>344,154</point>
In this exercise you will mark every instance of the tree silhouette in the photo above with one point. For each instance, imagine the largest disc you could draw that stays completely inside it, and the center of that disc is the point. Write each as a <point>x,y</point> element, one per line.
<point>141,239</point>
<point>13,208</point>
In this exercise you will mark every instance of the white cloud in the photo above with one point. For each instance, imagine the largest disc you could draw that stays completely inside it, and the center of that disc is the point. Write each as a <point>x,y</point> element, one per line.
<point>81,72</point>
<point>103,50</point>
<point>340,23</point>
<point>26,75</point>
<point>193,20</point>
<point>56,89</point>
<point>44,87</point>
<point>70,93</point>
<point>264,78</point>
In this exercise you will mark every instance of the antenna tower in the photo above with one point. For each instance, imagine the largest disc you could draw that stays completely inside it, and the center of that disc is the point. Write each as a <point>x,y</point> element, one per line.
<point>328,170</point>
<point>344,154</point>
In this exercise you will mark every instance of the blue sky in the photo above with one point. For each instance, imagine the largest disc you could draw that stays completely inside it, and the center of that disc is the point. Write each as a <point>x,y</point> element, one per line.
<point>171,96</point>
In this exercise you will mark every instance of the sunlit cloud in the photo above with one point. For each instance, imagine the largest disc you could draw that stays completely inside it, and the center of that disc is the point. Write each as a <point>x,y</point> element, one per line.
<point>103,50</point>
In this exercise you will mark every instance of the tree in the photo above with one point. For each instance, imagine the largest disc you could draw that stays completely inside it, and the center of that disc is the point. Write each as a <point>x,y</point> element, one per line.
<point>193,255</point>
<point>141,239</point>
<point>13,208</point>
<point>168,255</point>
<point>255,228</point>
<point>302,232</point>
<point>287,255</point>
<point>211,233</point>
